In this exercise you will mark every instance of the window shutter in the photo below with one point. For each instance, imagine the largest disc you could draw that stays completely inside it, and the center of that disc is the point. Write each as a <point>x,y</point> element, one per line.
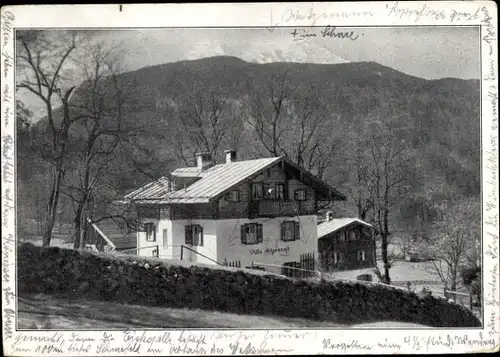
<point>260,239</point>
<point>282,231</point>
<point>153,227</point>
<point>243,234</point>
<point>201,235</point>
<point>189,235</point>
<point>296,235</point>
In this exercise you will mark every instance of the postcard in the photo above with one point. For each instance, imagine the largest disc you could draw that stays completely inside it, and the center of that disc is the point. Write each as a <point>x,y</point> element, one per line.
<point>241,179</point>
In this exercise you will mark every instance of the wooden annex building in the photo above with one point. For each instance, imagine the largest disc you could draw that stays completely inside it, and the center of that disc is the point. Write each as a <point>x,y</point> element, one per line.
<point>345,244</point>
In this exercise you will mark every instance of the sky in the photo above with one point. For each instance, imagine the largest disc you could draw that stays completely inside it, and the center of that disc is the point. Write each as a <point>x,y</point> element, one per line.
<point>430,52</point>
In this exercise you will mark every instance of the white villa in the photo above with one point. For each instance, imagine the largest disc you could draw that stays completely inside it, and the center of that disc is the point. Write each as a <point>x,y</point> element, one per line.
<point>254,211</point>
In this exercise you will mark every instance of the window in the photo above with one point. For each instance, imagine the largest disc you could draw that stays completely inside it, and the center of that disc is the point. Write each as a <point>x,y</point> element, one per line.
<point>194,234</point>
<point>290,231</point>
<point>257,193</point>
<point>338,257</point>
<point>150,232</point>
<point>343,236</point>
<point>280,191</point>
<point>233,196</point>
<point>353,235</point>
<point>269,191</point>
<point>251,233</point>
<point>300,194</point>
<point>165,238</point>
<point>361,255</point>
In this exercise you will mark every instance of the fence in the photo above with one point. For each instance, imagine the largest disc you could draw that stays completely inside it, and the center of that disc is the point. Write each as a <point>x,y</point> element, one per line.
<point>232,264</point>
<point>464,299</point>
<point>307,262</point>
<point>153,248</point>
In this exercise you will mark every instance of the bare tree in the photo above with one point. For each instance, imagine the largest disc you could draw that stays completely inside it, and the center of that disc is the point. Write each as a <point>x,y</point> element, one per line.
<point>103,101</point>
<point>314,135</point>
<point>455,234</point>
<point>42,61</point>
<point>201,123</point>
<point>266,114</point>
<point>387,176</point>
<point>295,124</point>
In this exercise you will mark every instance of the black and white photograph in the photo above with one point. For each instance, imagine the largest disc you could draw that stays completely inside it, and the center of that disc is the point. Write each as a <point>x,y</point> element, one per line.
<point>239,180</point>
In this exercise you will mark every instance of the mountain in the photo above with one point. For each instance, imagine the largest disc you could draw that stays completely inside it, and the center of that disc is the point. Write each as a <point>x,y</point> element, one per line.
<point>444,113</point>
<point>262,51</point>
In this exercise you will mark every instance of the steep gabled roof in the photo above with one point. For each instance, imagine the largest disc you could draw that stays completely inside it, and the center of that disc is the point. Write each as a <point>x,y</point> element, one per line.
<point>214,182</point>
<point>338,223</point>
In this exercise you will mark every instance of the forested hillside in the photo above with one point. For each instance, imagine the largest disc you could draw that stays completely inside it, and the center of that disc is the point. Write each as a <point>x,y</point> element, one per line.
<point>360,126</point>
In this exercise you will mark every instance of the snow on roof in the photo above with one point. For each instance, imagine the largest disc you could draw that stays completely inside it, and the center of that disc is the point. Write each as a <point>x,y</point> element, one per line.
<point>336,224</point>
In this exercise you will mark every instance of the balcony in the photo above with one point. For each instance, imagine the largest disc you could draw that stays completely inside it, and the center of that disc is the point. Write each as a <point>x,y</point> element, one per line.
<point>277,208</point>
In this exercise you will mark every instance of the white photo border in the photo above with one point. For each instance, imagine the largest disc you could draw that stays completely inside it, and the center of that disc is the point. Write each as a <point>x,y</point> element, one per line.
<point>267,15</point>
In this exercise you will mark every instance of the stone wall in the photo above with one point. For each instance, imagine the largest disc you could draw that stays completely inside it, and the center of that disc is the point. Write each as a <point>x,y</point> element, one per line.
<point>133,280</point>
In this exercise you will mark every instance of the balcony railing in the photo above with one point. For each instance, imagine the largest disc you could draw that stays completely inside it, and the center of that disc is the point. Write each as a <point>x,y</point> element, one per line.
<point>276,208</point>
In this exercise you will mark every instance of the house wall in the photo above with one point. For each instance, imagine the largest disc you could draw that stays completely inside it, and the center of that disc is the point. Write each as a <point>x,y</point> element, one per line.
<point>209,247</point>
<point>192,211</point>
<point>222,221</point>
<point>270,208</point>
<point>329,244</point>
<point>272,250</point>
<point>161,218</point>
<point>222,241</point>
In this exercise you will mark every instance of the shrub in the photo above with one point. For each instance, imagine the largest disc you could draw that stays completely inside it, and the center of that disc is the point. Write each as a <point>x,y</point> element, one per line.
<point>153,283</point>
<point>470,274</point>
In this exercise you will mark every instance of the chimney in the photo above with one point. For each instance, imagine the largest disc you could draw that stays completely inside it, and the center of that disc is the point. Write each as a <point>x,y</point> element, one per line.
<point>329,216</point>
<point>230,156</point>
<point>204,160</point>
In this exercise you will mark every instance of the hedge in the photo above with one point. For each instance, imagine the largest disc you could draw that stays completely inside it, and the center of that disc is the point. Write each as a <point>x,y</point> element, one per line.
<point>135,280</point>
